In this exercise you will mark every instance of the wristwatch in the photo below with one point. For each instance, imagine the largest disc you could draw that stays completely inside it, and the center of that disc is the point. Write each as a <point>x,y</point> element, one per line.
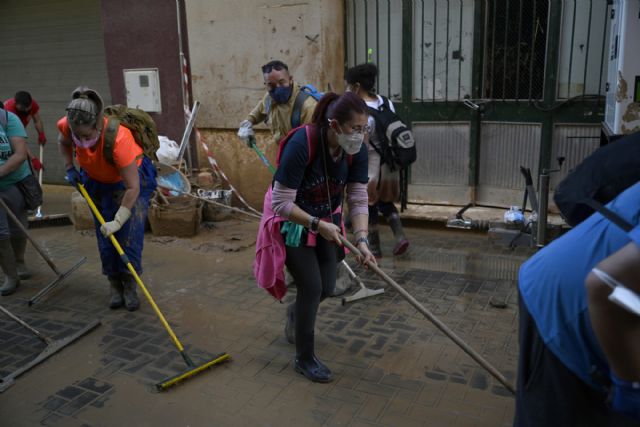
<point>314,224</point>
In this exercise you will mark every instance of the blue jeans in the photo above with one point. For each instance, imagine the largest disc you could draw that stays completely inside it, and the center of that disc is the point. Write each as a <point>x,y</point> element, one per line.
<point>107,198</point>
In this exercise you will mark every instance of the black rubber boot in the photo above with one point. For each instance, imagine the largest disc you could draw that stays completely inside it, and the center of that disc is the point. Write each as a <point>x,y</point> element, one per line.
<point>117,300</point>
<point>401,241</point>
<point>290,326</point>
<point>374,241</point>
<point>306,362</point>
<point>8,265</point>
<point>19,245</point>
<point>131,301</point>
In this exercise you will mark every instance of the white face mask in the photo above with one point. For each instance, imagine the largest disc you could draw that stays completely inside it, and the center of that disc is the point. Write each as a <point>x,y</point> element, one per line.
<point>351,142</point>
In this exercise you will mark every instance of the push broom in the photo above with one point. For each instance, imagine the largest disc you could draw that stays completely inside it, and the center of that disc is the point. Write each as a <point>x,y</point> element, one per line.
<point>60,275</point>
<point>437,322</point>
<point>192,368</point>
<point>53,346</point>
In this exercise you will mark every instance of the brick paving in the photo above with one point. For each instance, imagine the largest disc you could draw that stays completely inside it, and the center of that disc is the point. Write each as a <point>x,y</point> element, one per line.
<point>391,366</point>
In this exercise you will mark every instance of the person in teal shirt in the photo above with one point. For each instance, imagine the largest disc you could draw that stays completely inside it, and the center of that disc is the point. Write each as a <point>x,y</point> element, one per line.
<point>13,169</point>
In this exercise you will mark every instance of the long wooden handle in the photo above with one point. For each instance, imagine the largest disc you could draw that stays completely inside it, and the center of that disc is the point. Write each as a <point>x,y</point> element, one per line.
<point>433,319</point>
<point>42,253</point>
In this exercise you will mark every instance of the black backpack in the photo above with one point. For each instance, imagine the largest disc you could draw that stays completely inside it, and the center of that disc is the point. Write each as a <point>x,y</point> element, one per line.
<point>603,175</point>
<point>397,145</point>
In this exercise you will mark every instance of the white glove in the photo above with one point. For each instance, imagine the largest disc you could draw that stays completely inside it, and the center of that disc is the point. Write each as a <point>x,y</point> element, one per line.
<point>122,216</point>
<point>245,131</point>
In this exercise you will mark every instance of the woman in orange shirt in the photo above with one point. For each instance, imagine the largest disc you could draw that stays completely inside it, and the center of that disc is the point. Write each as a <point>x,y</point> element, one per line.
<point>121,188</point>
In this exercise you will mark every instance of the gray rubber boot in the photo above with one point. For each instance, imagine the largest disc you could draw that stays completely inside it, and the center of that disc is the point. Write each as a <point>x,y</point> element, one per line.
<point>19,245</point>
<point>374,241</point>
<point>8,265</point>
<point>131,301</point>
<point>117,290</point>
<point>290,326</point>
<point>401,241</point>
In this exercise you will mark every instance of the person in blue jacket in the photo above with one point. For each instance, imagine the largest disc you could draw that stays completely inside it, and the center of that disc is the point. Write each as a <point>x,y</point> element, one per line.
<point>579,334</point>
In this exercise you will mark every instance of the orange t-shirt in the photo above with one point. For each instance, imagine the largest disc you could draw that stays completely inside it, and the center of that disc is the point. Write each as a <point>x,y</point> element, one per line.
<point>92,160</point>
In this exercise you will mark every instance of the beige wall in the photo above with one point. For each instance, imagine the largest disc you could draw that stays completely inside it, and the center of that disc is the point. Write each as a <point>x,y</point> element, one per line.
<point>229,41</point>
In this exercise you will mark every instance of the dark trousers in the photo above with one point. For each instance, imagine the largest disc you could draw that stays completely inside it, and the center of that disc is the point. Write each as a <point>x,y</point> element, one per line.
<point>548,393</point>
<point>314,272</point>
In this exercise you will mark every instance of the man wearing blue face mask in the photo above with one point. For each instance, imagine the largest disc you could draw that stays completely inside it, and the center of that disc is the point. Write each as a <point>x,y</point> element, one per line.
<point>283,107</point>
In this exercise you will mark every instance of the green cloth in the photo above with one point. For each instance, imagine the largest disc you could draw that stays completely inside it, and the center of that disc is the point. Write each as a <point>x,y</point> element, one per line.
<point>292,233</point>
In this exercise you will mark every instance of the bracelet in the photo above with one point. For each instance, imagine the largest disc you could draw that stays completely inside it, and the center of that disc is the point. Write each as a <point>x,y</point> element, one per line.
<point>314,224</point>
<point>362,240</point>
<point>361,230</point>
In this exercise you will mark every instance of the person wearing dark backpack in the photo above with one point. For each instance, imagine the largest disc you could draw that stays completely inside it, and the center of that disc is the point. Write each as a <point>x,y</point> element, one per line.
<point>120,181</point>
<point>302,217</point>
<point>14,167</point>
<point>285,106</point>
<point>384,181</point>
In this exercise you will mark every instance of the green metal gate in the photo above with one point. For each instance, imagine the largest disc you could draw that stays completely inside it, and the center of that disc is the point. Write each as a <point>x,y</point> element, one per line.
<point>487,85</point>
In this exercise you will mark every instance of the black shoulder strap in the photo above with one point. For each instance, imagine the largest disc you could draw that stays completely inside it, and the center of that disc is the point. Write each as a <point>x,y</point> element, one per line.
<point>385,102</point>
<point>609,214</point>
<point>296,113</point>
<point>110,133</point>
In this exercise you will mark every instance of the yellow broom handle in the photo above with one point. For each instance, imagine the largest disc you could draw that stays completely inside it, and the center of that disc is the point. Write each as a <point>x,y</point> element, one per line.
<point>96,212</point>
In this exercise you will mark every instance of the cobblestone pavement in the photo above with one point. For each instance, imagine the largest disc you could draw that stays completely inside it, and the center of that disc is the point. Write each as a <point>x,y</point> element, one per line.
<point>391,366</point>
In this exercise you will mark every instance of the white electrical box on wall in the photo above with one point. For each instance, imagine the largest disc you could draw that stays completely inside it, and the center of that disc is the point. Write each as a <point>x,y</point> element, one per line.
<point>143,89</point>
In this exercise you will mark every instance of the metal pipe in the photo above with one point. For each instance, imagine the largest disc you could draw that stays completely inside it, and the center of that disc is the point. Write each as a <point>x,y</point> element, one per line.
<point>586,59</point>
<point>422,53</point>
<point>604,40</point>
<point>543,203</point>
<point>389,48</point>
<point>533,48</point>
<point>517,94</point>
<point>435,20</point>
<point>573,35</point>
<point>446,58</point>
<point>460,49</point>
<point>504,54</point>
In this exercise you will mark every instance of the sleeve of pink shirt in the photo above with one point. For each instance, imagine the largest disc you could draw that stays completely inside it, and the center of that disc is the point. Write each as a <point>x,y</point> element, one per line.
<point>357,199</point>
<point>282,198</point>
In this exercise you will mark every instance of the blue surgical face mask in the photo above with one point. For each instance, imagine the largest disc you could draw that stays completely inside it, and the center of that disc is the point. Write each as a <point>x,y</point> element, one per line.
<point>281,94</point>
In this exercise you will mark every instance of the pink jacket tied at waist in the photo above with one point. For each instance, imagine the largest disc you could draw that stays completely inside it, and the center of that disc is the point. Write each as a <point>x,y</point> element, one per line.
<point>268,267</point>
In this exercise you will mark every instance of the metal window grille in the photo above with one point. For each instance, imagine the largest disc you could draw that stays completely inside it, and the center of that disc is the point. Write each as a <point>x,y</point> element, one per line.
<point>443,49</point>
<point>584,41</point>
<point>374,34</point>
<point>515,48</point>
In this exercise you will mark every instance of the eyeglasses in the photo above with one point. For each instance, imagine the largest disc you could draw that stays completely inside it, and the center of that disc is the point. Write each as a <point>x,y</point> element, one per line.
<point>357,129</point>
<point>361,129</point>
<point>266,69</point>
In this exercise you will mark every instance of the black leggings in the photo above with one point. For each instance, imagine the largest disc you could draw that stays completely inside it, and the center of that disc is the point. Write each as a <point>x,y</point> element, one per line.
<point>314,272</point>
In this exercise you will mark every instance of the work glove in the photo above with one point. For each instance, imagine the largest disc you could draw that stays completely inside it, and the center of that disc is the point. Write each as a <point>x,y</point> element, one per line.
<point>122,216</point>
<point>245,132</point>
<point>626,397</point>
<point>41,138</point>
<point>73,176</point>
<point>36,164</point>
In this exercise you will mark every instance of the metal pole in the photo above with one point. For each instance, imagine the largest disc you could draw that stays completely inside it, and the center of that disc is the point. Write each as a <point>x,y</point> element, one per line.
<point>543,200</point>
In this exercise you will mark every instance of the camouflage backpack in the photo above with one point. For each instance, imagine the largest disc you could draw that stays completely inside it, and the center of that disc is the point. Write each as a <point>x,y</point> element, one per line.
<point>141,125</point>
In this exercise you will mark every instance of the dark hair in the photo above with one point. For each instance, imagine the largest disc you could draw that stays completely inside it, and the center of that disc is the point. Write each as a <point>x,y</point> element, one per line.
<point>271,65</point>
<point>365,74</point>
<point>339,107</point>
<point>23,98</point>
<point>85,108</point>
